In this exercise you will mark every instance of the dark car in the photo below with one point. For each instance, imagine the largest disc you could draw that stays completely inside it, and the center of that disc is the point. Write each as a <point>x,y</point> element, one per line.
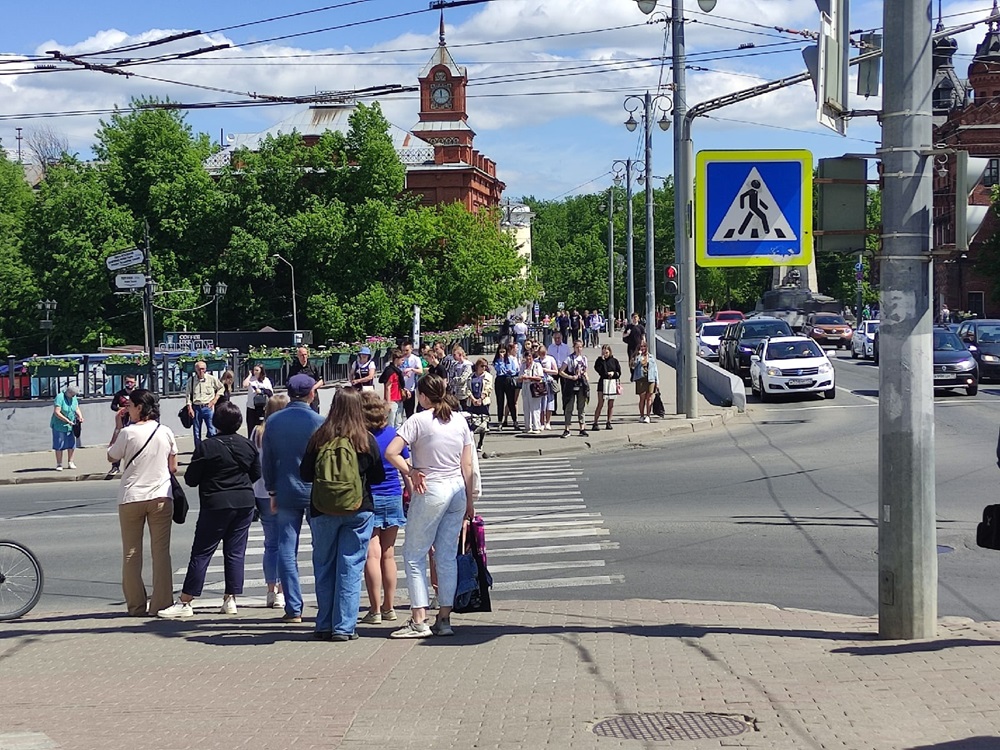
<point>741,338</point>
<point>982,338</point>
<point>954,365</point>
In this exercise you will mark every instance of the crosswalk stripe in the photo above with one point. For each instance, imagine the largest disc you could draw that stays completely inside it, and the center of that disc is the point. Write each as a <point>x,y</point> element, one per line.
<point>535,513</point>
<point>553,583</point>
<point>552,549</point>
<point>550,534</point>
<point>534,525</point>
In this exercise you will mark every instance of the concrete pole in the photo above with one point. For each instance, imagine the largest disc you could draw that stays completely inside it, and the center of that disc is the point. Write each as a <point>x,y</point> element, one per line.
<point>650,270</point>
<point>687,299</point>
<point>611,260</point>
<point>907,552</point>
<point>629,256</point>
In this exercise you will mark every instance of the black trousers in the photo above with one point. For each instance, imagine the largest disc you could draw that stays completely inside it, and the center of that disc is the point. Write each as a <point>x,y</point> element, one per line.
<point>231,527</point>
<point>410,404</point>
<point>505,393</point>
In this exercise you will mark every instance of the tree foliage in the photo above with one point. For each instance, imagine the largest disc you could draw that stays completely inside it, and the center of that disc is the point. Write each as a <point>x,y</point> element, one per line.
<point>363,252</point>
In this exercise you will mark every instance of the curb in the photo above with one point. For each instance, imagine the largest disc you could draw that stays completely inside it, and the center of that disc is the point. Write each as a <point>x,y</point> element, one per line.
<point>83,477</point>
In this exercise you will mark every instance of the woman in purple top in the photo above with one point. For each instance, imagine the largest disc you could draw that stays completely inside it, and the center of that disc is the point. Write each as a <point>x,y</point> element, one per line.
<point>380,566</point>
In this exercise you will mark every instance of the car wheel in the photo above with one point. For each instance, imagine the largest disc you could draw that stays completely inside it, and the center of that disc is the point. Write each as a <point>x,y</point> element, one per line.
<point>854,353</point>
<point>764,395</point>
<point>831,393</point>
<point>972,390</point>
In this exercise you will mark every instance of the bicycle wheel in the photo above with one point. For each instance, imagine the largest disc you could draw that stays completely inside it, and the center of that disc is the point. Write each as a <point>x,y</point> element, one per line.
<point>20,580</point>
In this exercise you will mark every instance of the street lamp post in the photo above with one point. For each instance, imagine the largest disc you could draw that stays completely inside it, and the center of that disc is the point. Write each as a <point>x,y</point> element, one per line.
<point>649,102</point>
<point>628,168</point>
<point>220,291</point>
<point>47,306</point>
<point>611,257</point>
<point>295,310</point>
<point>687,367</point>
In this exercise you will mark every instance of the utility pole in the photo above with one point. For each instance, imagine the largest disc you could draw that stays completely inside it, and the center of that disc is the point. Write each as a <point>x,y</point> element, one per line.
<point>611,259</point>
<point>907,552</point>
<point>629,237</point>
<point>147,304</point>
<point>650,270</point>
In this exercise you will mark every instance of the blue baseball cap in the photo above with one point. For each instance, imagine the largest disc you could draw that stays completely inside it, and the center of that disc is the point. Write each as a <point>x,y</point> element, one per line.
<point>365,350</point>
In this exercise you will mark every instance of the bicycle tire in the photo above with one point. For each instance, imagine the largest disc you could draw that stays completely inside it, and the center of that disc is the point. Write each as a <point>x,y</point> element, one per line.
<point>21,580</point>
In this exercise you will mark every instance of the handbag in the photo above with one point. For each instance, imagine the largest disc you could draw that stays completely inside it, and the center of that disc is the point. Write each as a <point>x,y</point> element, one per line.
<point>988,530</point>
<point>474,579</point>
<point>180,500</point>
<point>77,427</point>
<point>185,418</point>
<point>658,409</point>
<point>538,388</point>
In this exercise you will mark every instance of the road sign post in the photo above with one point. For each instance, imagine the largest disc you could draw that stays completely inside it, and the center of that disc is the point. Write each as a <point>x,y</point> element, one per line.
<point>754,208</point>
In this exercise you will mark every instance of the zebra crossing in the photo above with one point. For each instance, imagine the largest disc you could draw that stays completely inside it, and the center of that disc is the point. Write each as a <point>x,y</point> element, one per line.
<point>540,535</point>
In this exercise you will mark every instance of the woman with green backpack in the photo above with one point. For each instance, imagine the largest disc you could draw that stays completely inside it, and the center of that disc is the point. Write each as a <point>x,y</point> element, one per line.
<point>342,461</point>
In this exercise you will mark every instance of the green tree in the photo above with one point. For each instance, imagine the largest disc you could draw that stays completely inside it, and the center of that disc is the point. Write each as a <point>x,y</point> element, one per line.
<point>18,285</point>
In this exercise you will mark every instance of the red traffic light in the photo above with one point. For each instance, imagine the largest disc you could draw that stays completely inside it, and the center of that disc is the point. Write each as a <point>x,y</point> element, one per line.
<point>671,273</point>
<point>671,280</point>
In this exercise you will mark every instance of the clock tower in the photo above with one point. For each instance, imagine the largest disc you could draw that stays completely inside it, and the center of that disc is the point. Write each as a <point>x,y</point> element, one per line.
<point>442,118</point>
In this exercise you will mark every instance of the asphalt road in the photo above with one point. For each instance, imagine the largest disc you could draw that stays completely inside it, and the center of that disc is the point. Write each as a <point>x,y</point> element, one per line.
<point>778,507</point>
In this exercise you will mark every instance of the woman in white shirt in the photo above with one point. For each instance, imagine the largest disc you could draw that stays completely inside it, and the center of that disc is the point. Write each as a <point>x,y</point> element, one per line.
<point>443,496</point>
<point>149,455</point>
<point>551,370</point>
<point>531,377</point>
<point>259,390</point>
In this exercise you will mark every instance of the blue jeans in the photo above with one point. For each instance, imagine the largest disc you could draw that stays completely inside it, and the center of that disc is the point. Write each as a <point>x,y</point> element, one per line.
<point>202,414</point>
<point>288,522</point>
<point>269,523</point>
<point>434,518</point>
<point>340,546</point>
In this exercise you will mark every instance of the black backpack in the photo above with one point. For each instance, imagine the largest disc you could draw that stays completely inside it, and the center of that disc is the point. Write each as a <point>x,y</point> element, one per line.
<point>988,531</point>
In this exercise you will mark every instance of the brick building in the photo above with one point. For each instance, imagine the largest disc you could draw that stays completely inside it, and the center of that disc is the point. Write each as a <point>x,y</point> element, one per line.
<point>967,118</point>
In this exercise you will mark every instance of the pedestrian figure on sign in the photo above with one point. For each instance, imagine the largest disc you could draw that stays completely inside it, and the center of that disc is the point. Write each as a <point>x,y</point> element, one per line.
<point>755,207</point>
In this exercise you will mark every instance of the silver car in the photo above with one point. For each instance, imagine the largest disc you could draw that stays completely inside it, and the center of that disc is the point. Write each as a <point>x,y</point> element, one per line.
<point>861,343</point>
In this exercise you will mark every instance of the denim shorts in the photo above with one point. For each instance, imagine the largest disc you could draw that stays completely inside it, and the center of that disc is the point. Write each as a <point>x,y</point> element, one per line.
<point>63,441</point>
<point>388,511</point>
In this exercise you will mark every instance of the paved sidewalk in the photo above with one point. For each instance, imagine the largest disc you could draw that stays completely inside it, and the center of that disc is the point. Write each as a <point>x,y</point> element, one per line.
<point>536,674</point>
<point>24,468</point>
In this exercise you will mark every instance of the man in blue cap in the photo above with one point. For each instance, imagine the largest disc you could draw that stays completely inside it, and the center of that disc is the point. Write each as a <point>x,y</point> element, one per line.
<point>285,438</point>
<point>302,365</point>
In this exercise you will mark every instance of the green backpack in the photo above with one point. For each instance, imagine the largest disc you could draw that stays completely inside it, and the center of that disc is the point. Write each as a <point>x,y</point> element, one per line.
<point>337,488</point>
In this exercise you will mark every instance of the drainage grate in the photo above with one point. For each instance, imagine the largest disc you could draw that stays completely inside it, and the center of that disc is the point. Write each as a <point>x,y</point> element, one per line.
<point>670,726</point>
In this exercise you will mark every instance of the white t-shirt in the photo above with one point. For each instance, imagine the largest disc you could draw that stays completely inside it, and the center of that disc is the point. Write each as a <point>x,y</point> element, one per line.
<point>254,386</point>
<point>410,363</point>
<point>548,362</point>
<point>558,352</point>
<point>148,476</point>
<point>436,447</point>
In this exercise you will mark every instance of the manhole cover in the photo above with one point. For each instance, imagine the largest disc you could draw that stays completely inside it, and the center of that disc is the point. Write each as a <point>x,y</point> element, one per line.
<point>670,726</point>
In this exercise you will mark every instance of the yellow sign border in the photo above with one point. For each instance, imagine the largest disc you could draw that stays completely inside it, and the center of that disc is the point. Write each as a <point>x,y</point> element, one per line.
<point>704,158</point>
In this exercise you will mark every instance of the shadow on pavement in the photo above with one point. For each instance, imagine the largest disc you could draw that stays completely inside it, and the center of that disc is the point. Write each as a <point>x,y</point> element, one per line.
<point>969,743</point>
<point>914,648</point>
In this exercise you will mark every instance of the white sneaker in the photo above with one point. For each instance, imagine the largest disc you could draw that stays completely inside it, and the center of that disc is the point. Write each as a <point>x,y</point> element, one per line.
<point>279,600</point>
<point>644,420</point>
<point>176,611</point>
<point>412,630</point>
<point>59,467</point>
<point>228,606</point>
<point>72,465</point>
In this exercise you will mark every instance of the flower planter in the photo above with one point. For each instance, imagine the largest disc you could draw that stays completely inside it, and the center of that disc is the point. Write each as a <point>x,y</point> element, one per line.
<point>268,363</point>
<point>214,365</point>
<point>122,368</point>
<point>340,358</point>
<point>54,371</point>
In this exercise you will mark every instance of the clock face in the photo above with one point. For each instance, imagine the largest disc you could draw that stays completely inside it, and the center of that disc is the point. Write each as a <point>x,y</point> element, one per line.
<point>441,95</point>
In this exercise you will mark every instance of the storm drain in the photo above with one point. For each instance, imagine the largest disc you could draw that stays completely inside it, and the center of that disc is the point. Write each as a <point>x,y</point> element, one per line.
<point>657,727</point>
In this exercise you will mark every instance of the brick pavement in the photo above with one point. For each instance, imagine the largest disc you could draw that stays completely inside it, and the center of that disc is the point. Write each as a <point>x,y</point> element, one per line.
<point>533,674</point>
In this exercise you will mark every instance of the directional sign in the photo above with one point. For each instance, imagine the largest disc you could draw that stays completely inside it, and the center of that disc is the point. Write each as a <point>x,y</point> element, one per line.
<point>753,208</point>
<point>859,266</point>
<point>118,261</point>
<point>130,280</point>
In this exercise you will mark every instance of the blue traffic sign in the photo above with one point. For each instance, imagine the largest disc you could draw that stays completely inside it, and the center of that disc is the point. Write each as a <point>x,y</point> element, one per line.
<point>753,208</point>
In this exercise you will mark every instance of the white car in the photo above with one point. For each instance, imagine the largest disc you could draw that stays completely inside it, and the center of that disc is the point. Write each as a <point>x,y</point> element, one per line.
<point>790,364</point>
<point>862,341</point>
<point>708,338</point>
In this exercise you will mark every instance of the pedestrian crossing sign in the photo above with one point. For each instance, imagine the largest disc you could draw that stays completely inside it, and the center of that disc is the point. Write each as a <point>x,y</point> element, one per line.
<point>753,208</point>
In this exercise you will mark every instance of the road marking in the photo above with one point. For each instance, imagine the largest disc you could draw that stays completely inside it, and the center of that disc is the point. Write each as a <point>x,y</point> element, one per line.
<point>554,583</point>
<point>872,399</point>
<point>553,549</point>
<point>497,537</point>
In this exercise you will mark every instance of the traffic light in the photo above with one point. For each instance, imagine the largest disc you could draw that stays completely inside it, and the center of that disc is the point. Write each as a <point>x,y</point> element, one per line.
<point>968,216</point>
<point>671,279</point>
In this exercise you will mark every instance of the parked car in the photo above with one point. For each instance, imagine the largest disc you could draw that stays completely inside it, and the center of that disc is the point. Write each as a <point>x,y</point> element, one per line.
<point>954,365</point>
<point>701,319</point>
<point>791,364</point>
<point>729,315</point>
<point>709,337</point>
<point>742,337</point>
<point>982,338</point>
<point>829,328</point>
<point>862,342</point>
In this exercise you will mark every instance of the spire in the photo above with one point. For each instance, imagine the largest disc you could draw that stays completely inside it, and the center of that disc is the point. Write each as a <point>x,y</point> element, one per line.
<point>993,23</point>
<point>940,23</point>
<point>441,27</point>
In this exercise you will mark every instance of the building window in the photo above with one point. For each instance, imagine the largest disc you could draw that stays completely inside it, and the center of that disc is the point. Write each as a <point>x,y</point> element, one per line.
<point>992,174</point>
<point>976,304</point>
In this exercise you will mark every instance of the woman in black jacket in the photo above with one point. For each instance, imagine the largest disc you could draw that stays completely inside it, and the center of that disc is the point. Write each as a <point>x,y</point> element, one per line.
<point>609,374</point>
<point>340,540</point>
<point>223,468</point>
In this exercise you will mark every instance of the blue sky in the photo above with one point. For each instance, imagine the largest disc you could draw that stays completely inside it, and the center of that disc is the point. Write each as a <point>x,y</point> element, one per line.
<point>547,77</point>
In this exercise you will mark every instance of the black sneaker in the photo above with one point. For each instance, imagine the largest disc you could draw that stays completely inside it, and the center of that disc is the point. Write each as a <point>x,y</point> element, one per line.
<point>608,426</point>
<point>565,433</point>
<point>322,635</point>
<point>583,433</point>
<point>342,637</point>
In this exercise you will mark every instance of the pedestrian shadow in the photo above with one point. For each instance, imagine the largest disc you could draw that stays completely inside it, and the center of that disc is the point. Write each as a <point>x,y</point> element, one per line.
<point>890,649</point>
<point>35,470</point>
<point>969,743</point>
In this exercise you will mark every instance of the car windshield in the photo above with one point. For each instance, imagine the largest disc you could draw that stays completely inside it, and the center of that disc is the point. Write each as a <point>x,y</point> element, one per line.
<point>946,341</point>
<point>989,334</point>
<point>871,327</point>
<point>829,320</point>
<point>793,350</point>
<point>713,329</point>
<point>760,330</point>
